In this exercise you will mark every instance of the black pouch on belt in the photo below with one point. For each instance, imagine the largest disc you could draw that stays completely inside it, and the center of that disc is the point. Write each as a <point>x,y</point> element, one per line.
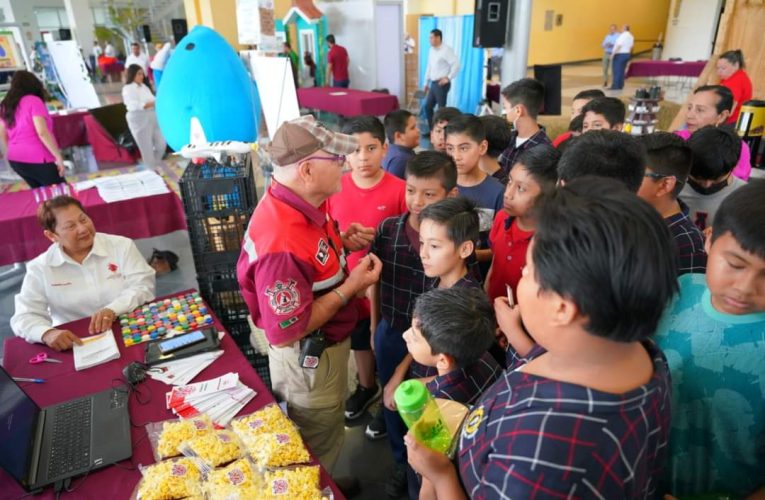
<point>311,349</point>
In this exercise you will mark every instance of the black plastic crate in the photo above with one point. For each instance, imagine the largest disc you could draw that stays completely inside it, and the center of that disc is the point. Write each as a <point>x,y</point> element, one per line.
<point>216,240</point>
<point>259,362</point>
<point>215,187</point>
<point>240,332</point>
<point>220,290</point>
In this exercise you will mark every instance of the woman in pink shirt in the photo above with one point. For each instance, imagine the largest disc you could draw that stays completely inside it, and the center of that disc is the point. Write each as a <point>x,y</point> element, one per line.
<point>25,132</point>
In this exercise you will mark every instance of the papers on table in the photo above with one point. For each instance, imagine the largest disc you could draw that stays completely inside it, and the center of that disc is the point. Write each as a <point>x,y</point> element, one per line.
<point>183,371</point>
<point>220,399</point>
<point>95,350</point>
<point>338,93</point>
<point>128,186</point>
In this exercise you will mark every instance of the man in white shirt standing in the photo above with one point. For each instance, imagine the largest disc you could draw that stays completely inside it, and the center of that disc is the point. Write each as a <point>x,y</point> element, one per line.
<point>138,57</point>
<point>443,66</point>
<point>620,56</point>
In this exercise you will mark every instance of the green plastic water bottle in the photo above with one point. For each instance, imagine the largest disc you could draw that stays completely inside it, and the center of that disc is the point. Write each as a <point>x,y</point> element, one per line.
<point>421,415</point>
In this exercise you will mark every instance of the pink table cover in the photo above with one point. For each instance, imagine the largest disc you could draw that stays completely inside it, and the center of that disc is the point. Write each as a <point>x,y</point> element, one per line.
<point>22,238</point>
<point>665,68</point>
<point>64,383</point>
<point>350,103</point>
<point>69,129</point>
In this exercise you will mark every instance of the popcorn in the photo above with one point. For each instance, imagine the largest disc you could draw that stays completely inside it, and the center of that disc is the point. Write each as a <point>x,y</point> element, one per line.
<point>237,481</point>
<point>174,433</point>
<point>268,419</point>
<point>214,448</point>
<point>171,479</point>
<point>271,439</point>
<point>298,483</point>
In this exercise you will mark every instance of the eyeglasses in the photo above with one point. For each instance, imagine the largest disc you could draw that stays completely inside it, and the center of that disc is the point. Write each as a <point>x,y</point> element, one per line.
<point>654,175</point>
<point>337,159</point>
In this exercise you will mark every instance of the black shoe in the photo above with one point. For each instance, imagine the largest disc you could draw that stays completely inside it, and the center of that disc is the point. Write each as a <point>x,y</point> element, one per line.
<point>376,428</point>
<point>357,404</point>
<point>395,486</point>
<point>348,486</point>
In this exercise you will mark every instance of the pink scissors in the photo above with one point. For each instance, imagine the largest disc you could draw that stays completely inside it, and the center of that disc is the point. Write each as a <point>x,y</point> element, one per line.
<point>41,358</point>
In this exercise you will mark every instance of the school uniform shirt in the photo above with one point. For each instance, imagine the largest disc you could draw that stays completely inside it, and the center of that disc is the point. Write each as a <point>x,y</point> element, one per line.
<point>717,437</point>
<point>465,385</point>
<point>57,290</point>
<point>741,87</point>
<point>141,59</point>
<point>282,270</point>
<point>396,158</point>
<point>703,207</point>
<point>689,242</point>
<point>442,62</point>
<point>488,197</point>
<point>136,96</point>
<point>508,244</point>
<point>533,437</point>
<point>509,156</point>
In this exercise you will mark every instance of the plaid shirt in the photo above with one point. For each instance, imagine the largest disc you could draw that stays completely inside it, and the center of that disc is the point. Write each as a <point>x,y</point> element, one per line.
<point>466,384</point>
<point>510,155</point>
<point>532,437</point>
<point>691,257</point>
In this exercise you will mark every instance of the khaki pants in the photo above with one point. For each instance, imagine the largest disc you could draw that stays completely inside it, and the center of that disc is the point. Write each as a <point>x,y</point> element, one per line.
<point>315,398</point>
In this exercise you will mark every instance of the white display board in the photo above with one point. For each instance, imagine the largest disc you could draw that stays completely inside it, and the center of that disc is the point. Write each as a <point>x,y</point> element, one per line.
<point>73,75</point>
<point>276,89</point>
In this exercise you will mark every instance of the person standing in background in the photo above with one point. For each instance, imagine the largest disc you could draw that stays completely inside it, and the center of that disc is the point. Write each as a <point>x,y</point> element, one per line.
<point>141,117</point>
<point>293,57</point>
<point>138,57</point>
<point>730,69</point>
<point>159,62</point>
<point>337,64</point>
<point>309,71</point>
<point>443,66</point>
<point>608,47</point>
<point>620,56</point>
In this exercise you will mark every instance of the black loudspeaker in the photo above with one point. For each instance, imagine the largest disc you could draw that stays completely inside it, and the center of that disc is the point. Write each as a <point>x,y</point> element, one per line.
<point>180,29</point>
<point>146,32</point>
<point>549,75</point>
<point>64,34</point>
<point>491,27</point>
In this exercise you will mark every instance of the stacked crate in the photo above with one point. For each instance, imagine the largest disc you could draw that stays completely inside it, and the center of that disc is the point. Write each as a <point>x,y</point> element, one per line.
<point>219,199</point>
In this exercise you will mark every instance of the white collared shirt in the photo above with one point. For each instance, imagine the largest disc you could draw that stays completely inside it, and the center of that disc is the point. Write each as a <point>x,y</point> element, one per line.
<point>135,96</point>
<point>442,62</point>
<point>141,59</point>
<point>57,290</point>
<point>623,44</point>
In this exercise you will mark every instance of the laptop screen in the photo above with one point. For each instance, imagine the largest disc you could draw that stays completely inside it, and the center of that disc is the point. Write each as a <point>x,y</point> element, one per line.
<point>18,414</point>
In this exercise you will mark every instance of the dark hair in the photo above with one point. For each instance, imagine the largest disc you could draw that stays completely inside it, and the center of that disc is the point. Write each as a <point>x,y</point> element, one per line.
<point>611,108</point>
<point>668,154</point>
<point>23,83</point>
<point>459,215</point>
<point>528,92</point>
<point>396,121</point>
<point>133,70</point>
<point>593,243</point>
<point>716,151</point>
<point>605,153</point>
<point>331,38</point>
<point>498,134</point>
<point>725,96</point>
<point>446,114</point>
<point>437,32</point>
<point>427,164</point>
<point>46,216</point>
<point>577,123</point>
<point>365,123</point>
<point>467,124</point>
<point>541,162</point>
<point>589,94</point>
<point>458,322</point>
<point>734,57</point>
<point>741,214</point>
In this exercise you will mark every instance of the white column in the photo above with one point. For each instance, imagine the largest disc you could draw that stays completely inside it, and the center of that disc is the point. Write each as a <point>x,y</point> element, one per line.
<point>81,23</point>
<point>516,56</point>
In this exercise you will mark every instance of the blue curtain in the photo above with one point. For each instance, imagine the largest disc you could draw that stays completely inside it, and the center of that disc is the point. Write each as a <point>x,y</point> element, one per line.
<point>466,90</point>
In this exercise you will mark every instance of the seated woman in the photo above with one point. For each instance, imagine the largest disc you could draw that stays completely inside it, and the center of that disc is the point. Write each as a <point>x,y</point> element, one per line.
<point>82,274</point>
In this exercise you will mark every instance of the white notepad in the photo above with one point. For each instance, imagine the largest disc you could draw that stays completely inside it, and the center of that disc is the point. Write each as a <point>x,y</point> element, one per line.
<point>95,350</point>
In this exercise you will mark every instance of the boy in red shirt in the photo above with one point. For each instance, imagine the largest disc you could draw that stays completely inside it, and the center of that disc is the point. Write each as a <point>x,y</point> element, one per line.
<point>368,196</point>
<point>534,173</point>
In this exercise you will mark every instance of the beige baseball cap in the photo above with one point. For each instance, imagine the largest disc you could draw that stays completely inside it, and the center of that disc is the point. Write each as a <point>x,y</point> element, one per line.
<point>297,139</point>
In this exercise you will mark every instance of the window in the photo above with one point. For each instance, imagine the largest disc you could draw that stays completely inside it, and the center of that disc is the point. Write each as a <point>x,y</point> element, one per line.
<point>101,16</point>
<point>51,18</point>
<point>308,42</point>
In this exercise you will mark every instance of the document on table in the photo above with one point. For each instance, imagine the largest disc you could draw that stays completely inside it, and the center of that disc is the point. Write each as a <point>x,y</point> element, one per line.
<point>127,186</point>
<point>95,350</point>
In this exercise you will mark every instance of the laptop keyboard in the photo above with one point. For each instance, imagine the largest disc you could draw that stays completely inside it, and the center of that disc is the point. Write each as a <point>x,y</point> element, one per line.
<point>70,446</point>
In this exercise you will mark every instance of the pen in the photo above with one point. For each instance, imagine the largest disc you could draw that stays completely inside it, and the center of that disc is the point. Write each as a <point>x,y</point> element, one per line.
<point>24,379</point>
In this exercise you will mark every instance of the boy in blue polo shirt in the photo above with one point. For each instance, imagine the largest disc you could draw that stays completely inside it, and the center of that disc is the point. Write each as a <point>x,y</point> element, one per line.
<point>713,340</point>
<point>403,136</point>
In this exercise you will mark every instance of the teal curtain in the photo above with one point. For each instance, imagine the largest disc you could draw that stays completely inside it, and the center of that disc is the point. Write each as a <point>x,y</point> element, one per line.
<point>466,91</point>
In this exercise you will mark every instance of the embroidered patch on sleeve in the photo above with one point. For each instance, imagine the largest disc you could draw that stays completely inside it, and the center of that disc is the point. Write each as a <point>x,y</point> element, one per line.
<point>284,298</point>
<point>288,322</point>
<point>322,254</point>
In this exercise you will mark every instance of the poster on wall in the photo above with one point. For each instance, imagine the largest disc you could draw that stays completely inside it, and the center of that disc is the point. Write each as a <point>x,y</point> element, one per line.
<point>9,56</point>
<point>73,75</point>
<point>255,24</point>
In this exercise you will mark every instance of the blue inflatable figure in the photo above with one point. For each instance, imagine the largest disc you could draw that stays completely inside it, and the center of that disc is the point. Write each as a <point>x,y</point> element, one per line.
<point>206,93</point>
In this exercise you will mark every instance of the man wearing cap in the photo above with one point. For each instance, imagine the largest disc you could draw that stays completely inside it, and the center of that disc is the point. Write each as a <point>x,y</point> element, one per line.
<point>294,278</point>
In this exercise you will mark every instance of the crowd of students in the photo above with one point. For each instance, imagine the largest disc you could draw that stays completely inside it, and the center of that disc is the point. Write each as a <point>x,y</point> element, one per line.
<point>631,365</point>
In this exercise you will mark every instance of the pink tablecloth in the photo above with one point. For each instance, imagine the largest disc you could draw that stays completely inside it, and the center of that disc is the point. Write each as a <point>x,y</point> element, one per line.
<point>347,102</point>
<point>64,383</point>
<point>665,68</point>
<point>69,129</point>
<point>22,238</point>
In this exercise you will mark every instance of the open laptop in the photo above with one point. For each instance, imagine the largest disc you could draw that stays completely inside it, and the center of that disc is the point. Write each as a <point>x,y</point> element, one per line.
<point>42,446</point>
